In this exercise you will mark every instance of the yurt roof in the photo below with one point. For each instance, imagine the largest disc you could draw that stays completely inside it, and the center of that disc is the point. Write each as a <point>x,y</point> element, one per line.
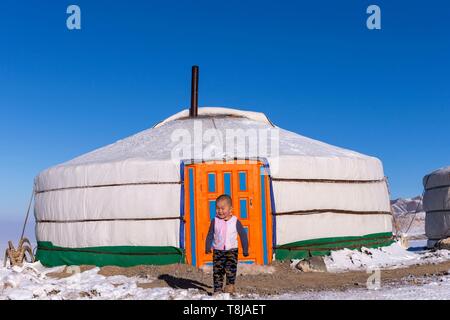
<point>218,112</point>
<point>437,178</point>
<point>156,143</point>
<point>153,148</point>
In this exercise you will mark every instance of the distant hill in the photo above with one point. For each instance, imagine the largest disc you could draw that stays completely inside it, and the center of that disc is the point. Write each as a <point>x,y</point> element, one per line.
<point>407,205</point>
<point>403,210</point>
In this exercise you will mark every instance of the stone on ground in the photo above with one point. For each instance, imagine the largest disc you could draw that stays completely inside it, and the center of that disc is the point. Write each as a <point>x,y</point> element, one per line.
<point>313,264</point>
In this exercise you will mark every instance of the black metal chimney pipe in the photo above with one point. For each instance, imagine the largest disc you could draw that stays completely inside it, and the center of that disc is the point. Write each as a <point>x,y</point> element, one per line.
<point>193,111</point>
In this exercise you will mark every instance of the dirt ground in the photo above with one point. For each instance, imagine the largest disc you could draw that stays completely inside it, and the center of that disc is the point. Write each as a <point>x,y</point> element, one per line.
<point>284,278</point>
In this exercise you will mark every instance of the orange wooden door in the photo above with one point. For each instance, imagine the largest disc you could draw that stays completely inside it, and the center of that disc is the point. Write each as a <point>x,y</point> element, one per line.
<point>243,181</point>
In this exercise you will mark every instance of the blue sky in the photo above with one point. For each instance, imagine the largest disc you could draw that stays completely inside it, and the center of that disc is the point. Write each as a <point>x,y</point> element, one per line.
<point>313,67</point>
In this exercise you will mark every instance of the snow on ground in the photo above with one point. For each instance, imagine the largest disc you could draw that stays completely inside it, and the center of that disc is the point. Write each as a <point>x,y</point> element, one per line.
<point>33,282</point>
<point>435,288</point>
<point>393,256</point>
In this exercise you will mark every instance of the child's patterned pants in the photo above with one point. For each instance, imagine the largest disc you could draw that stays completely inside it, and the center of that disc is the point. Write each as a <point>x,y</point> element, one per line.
<point>224,262</point>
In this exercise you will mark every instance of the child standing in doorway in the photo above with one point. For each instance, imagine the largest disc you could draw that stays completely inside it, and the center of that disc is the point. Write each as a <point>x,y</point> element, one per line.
<point>222,237</point>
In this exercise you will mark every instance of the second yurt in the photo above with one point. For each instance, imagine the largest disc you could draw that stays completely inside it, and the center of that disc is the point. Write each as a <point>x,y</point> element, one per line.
<point>436,204</point>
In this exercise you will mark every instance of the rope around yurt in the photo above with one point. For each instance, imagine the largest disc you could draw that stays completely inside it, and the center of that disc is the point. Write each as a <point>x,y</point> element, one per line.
<point>415,213</point>
<point>24,250</point>
<point>418,204</point>
<point>400,236</point>
<point>404,235</point>
<point>386,180</point>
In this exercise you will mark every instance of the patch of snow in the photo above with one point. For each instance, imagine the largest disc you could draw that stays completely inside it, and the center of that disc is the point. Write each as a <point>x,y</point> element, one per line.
<point>415,245</point>
<point>31,281</point>
<point>391,257</point>
<point>436,288</point>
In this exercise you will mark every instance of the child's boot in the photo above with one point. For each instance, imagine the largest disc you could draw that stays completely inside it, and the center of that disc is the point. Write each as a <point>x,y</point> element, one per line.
<point>216,293</point>
<point>229,288</point>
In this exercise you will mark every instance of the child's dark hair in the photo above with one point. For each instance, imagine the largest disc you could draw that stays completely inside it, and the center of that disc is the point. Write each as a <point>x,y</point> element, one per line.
<point>225,197</point>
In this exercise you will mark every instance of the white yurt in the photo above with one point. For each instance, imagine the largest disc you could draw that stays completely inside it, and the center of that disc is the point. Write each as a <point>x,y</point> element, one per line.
<point>149,198</point>
<point>436,204</point>
<point>138,201</point>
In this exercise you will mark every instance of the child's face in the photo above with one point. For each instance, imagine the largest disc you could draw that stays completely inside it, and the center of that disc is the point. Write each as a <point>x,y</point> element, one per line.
<point>223,210</point>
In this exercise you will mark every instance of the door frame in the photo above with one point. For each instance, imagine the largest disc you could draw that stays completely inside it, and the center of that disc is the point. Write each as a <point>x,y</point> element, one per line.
<point>187,209</point>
